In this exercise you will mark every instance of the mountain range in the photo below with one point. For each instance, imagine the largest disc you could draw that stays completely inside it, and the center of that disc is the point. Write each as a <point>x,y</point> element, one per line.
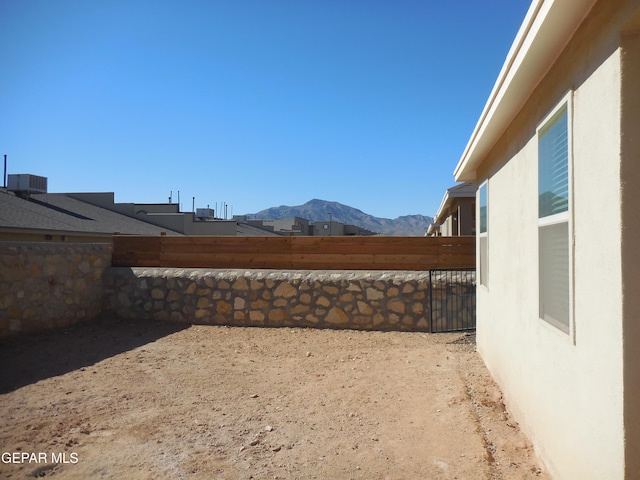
<point>318,210</point>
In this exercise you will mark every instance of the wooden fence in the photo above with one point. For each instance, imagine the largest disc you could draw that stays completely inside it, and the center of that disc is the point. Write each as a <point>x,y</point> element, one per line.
<point>294,253</point>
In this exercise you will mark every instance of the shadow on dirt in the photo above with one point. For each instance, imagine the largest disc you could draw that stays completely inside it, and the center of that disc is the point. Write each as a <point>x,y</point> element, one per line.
<point>26,359</point>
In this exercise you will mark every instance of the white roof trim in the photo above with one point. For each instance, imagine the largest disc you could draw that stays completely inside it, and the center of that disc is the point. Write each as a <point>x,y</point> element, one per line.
<point>437,219</point>
<point>545,31</point>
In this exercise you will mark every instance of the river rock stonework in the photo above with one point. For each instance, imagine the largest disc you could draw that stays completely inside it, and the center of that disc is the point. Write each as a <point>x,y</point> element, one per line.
<point>272,298</point>
<point>46,285</point>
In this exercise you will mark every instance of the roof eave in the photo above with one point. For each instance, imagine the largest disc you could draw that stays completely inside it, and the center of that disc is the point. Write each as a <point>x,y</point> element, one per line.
<point>49,231</point>
<point>545,31</point>
<point>443,205</point>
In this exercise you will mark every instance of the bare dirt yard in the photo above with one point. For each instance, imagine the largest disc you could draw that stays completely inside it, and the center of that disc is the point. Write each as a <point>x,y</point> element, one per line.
<point>160,401</point>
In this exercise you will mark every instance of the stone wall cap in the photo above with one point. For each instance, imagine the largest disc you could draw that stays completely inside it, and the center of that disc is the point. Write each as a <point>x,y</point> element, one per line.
<point>384,275</point>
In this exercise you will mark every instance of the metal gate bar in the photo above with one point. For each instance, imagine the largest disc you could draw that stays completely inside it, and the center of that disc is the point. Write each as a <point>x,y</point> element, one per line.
<point>452,296</point>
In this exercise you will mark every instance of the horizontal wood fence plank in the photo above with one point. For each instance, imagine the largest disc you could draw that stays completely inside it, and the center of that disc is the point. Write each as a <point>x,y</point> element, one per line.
<point>224,249</point>
<point>366,249</point>
<point>139,262</point>
<point>369,241</point>
<point>325,253</point>
<point>457,248</point>
<point>227,244</point>
<point>136,254</point>
<point>372,259</point>
<point>225,260</point>
<point>225,240</point>
<point>137,244</point>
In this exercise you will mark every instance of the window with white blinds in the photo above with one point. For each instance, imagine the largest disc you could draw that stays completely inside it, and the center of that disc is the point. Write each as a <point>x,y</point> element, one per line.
<point>553,166</point>
<point>553,220</point>
<point>483,235</point>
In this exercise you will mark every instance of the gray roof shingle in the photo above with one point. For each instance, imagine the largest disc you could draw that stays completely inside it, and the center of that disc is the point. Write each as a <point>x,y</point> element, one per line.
<point>58,212</point>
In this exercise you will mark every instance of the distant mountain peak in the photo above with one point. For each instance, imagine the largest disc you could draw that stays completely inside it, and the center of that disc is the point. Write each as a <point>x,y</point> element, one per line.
<point>317,210</point>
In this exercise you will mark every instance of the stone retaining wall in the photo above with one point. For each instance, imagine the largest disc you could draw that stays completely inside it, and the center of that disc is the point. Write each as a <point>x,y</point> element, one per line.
<point>367,300</point>
<point>45,285</point>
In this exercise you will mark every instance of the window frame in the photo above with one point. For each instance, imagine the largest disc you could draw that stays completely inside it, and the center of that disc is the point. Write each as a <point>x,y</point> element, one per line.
<point>566,103</point>
<point>483,267</point>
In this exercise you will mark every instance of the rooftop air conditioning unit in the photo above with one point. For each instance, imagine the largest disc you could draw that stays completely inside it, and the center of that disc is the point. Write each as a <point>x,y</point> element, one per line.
<point>205,213</point>
<point>27,183</point>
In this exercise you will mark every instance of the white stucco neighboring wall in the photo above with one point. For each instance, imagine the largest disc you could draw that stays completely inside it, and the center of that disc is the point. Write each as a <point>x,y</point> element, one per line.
<point>566,390</point>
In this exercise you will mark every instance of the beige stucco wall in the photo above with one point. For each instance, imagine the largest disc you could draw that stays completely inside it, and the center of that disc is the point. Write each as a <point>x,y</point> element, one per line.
<point>466,216</point>
<point>565,390</point>
<point>446,228</point>
<point>630,178</point>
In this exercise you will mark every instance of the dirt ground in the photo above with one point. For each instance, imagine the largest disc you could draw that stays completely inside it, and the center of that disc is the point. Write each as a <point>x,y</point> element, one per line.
<point>161,401</point>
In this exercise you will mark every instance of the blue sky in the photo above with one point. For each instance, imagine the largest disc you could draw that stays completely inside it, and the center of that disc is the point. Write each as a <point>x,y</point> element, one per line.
<point>255,103</point>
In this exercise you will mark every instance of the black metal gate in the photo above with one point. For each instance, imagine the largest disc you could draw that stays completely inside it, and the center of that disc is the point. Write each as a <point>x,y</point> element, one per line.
<point>452,297</point>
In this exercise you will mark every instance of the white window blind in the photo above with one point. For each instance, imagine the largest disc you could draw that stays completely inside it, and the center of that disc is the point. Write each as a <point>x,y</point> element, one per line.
<point>483,235</point>
<point>483,207</point>
<point>553,154</point>
<point>554,274</point>
<point>553,223</point>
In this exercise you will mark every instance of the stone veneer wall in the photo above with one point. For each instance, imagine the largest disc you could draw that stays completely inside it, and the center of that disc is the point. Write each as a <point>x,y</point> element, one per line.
<point>369,300</point>
<point>45,285</point>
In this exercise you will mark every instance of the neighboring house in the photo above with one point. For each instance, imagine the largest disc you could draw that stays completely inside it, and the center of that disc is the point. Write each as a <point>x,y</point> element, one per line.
<point>57,217</point>
<point>34,214</point>
<point>433,230</point>
<point>334,228</point>
<point>457,213</point>
<point>303,227</point>
<point>168,215</point>
<point>556,152</point>
<point>287,226</point>
<point>355,230</point>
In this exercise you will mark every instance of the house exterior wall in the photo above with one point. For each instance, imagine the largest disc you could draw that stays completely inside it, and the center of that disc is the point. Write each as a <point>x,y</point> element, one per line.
<point>105,200</point>
<point>185,223</point>
<point>565,390</point>
<point>156,208</point>
<point>216,227</point>
<point>323,229</point>
<point>296,224</point>
<point>446,228</point>
<point>460,218</point>
<point>630,177</point>
<point>466,220</point>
